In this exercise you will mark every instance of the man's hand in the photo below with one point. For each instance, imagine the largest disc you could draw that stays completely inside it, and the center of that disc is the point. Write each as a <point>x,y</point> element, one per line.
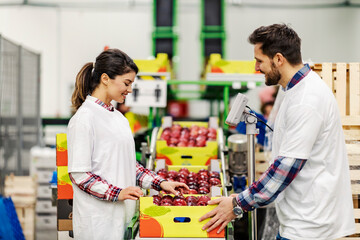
<point>132,193</point>
<point>220,216</point>
<point>170,186</point>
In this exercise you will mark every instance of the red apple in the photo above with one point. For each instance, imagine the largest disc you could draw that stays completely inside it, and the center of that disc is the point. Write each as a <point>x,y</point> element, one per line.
<point>179,197</point>
<point>203,131</point>
<point>192,175</point>
<point>191,143</point>
<point>156,200</point>
<point>183,174</point>
<point>165,137</point>
<point>182,180</point>
<point>165,204</point>
<point>214,174</point>
<point>212,130</point>
<point>211,136</point>
<point>193,191</point>
<point>176,127</point>
<point>162,173</point>
<point>172,174</point>
<point>166,132</point>
<point>203,177</point>
<point>203,171</point>
<point>204,199</point>
<point>174,140</point>
<point>194,133</point>
<point>203,190</point>
<point>181,144</point>
<point>179,202</point>
<point>195,127</point>
<point>185,131</point>
<point>167,198</point>
<point>175,134</point>
<point>214,181</point>
<point>201,203</point>
<point>184,169</point>
<point>200,141</point>
<point>204,184</point>
<point>191,199</point>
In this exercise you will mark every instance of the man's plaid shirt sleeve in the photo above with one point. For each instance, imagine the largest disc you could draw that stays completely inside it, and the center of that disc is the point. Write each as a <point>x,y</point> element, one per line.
<point>271,183</point>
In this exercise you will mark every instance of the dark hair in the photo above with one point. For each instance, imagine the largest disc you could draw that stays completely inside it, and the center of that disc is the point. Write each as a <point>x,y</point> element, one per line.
<point>278,38</point>
<point>113,62</point>
<point>264,105</point>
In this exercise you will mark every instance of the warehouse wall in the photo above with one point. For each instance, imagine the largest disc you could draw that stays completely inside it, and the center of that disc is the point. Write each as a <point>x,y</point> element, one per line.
<point>69,37</point>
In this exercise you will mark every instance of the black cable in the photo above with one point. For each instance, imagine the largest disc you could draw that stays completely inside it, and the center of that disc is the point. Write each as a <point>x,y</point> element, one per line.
<point>254,115</point>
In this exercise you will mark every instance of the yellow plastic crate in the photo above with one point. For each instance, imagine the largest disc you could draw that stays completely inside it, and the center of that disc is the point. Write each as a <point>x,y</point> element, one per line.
<point>159,221</point>
<point>187,155</point>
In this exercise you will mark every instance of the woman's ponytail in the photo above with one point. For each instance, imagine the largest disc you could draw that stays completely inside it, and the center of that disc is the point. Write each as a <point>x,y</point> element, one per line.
<point>83,85</point>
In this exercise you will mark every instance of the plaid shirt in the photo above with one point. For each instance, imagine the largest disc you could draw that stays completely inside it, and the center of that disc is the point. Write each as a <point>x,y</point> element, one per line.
<point>101,189</point>
<point>279,175</point>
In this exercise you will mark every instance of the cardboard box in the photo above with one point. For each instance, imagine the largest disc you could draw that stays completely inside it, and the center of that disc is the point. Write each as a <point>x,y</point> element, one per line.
<point>65,190</point>
<point>61,150</point>
<point>161,221</point>
<point>64,215</point>
<point>187,155</point>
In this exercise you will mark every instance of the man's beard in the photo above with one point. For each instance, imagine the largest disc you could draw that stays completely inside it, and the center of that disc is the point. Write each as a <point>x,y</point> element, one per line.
<point>273,77</point>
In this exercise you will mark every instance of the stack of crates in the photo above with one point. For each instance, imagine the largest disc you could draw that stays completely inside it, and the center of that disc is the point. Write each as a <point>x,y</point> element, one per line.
<point>167,221</point>
<point>64,185</point>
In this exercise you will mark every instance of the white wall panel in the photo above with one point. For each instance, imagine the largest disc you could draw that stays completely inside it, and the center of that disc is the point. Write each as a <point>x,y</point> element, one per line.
<point>69,37</point>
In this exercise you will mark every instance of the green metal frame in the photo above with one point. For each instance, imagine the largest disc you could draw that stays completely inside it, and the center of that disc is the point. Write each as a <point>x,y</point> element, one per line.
<point>160,32</point>
<point>219,28</point>
<point>216,32</point>
<point>215,35</point>
<point>174,13</point>
<point>165,32</point>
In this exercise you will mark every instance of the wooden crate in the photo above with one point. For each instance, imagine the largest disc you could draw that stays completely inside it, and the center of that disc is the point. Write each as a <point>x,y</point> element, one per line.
<point>344,80</point>
<point>22,190</point>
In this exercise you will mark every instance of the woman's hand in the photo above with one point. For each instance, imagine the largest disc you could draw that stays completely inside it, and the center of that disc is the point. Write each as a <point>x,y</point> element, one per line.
<point>132,193</point>
<point>170,186</point>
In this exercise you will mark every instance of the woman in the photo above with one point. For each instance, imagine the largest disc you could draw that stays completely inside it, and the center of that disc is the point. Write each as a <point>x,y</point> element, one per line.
<point>102,163</point>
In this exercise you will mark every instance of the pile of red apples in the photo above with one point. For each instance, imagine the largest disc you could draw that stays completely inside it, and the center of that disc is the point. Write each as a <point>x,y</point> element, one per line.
<point>180,200</point>
<point>195,136</point>
<point>199,183</point>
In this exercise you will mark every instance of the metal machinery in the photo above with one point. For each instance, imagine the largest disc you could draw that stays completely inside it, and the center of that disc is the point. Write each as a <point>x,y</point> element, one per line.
<point>238,163</point>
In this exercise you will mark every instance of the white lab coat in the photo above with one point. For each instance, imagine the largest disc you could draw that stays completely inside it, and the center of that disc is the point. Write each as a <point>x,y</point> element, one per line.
<point>100,141</point>
<point>318,203</point>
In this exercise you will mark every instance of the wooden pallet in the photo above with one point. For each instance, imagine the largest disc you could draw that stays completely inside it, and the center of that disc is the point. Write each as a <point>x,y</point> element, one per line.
<point>22,190</point>
<point>344,80</point>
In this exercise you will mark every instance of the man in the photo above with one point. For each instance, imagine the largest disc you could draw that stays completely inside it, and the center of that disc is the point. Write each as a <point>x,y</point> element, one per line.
<point>309,175</point>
